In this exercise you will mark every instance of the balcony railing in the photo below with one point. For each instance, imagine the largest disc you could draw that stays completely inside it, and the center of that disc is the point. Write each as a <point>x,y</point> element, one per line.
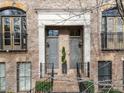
<point>112,41</point>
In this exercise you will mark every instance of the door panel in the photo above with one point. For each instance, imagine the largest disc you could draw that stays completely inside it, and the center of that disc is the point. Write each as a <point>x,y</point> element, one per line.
<point>52,52</point>
<point>75,51</point>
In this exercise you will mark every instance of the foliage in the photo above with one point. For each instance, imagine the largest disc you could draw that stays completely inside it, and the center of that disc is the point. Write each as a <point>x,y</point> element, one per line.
<point>43,86</point>
<point>64,61</point>
<point>10,92</point>
<point>111,91</point>
<point>89,86</point>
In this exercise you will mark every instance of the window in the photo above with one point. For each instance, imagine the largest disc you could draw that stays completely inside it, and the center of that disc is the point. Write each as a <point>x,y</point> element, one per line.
<point>112,37</point>
<point>53,33</point>
<point>24,76</point>
<point>75,32</point>
<point>2,77</point>
<point>104,73</point>
<point>105,1</point>
<point>13,29</point>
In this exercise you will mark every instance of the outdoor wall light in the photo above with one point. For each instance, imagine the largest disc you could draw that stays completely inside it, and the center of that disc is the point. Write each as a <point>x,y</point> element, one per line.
<point>80,44</point>
<point>47,44</point>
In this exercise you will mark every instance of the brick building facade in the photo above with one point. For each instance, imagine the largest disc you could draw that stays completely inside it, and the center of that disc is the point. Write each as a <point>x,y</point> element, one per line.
<point>33,33</point>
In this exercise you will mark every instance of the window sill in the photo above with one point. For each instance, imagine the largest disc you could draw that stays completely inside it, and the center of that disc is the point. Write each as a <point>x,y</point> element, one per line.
<point>24,91</point>
<point>21,50</point>
<point>112,49</point>
<point>2,92</point>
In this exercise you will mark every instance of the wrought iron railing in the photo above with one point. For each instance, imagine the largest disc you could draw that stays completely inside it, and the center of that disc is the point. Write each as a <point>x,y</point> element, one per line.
<point>47,68</point>
<point>83,68</point>
<point>81,83</point>
<point>112,41</point>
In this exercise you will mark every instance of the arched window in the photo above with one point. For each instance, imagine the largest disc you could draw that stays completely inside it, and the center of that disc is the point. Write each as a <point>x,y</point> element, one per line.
<point>12,29</point>
<point>112,30</point>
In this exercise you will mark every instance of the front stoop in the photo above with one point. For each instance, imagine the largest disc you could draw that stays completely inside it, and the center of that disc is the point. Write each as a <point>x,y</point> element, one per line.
<point>65,85</point>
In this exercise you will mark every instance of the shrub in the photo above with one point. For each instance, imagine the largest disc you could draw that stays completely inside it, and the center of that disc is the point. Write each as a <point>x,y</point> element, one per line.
<point>111,91</point>
<point>63,59</point>
<point>43,86</point>
<point>89,86</point>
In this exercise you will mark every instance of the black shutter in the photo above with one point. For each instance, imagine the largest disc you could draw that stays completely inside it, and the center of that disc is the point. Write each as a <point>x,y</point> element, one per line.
<point>24,33</point>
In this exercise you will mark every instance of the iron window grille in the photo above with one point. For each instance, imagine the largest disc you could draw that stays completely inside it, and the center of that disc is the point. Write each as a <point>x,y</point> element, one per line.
<point>104,74</point>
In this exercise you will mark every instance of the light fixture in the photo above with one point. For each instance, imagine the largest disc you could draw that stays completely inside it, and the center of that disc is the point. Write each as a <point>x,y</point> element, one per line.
<point>47,44</point>
<point>80,44</point>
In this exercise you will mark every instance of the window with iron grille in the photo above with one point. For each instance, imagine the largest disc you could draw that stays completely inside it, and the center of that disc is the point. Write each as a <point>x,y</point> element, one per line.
<point>13,29</point>
<point>2,78</point>
<point>24,76</point>
<point>112,37</point>
<point>104,74</point>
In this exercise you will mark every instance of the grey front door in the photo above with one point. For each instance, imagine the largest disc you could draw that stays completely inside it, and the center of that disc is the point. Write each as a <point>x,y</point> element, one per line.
<point>75,51</point>
<point>52,49</point>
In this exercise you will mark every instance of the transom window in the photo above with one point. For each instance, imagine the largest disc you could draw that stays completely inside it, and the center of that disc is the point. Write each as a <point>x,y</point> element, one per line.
<point>52,32</point>
<point>75,32</point>
<point>13,29</point>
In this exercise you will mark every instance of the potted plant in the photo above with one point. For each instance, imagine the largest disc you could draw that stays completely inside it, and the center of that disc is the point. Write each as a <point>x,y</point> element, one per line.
<point>64,61</point>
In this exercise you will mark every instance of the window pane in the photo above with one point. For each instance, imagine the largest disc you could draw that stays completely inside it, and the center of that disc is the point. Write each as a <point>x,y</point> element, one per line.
<point>119,24</point>
<point>2,70</point>
<point>7,35</point>
<point>21,69</point>
<point>53,32</point>
<point>110,24</point>
<point>17,24</point>
<point>6,24</point>
<point>17,20</point>
<point>24,28</point>
<point>7,42</point>
<point>103,24</point>
<point>7,20</point>
<point>7,27</point>
<point>2,77</point>
<point>17,30</point>
<point>22,84</point>
<point>27,87</point>
<point>75,33</point>
<point>16,41</point>
<point>2,84</point>
<point>27,70</point>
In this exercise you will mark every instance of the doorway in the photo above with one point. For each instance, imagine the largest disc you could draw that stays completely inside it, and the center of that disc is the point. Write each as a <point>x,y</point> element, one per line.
<point>69,37</point>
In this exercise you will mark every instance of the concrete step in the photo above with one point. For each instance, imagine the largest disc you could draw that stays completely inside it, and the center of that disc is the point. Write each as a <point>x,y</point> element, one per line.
<point>65,86</point>
<point>65,83</point>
